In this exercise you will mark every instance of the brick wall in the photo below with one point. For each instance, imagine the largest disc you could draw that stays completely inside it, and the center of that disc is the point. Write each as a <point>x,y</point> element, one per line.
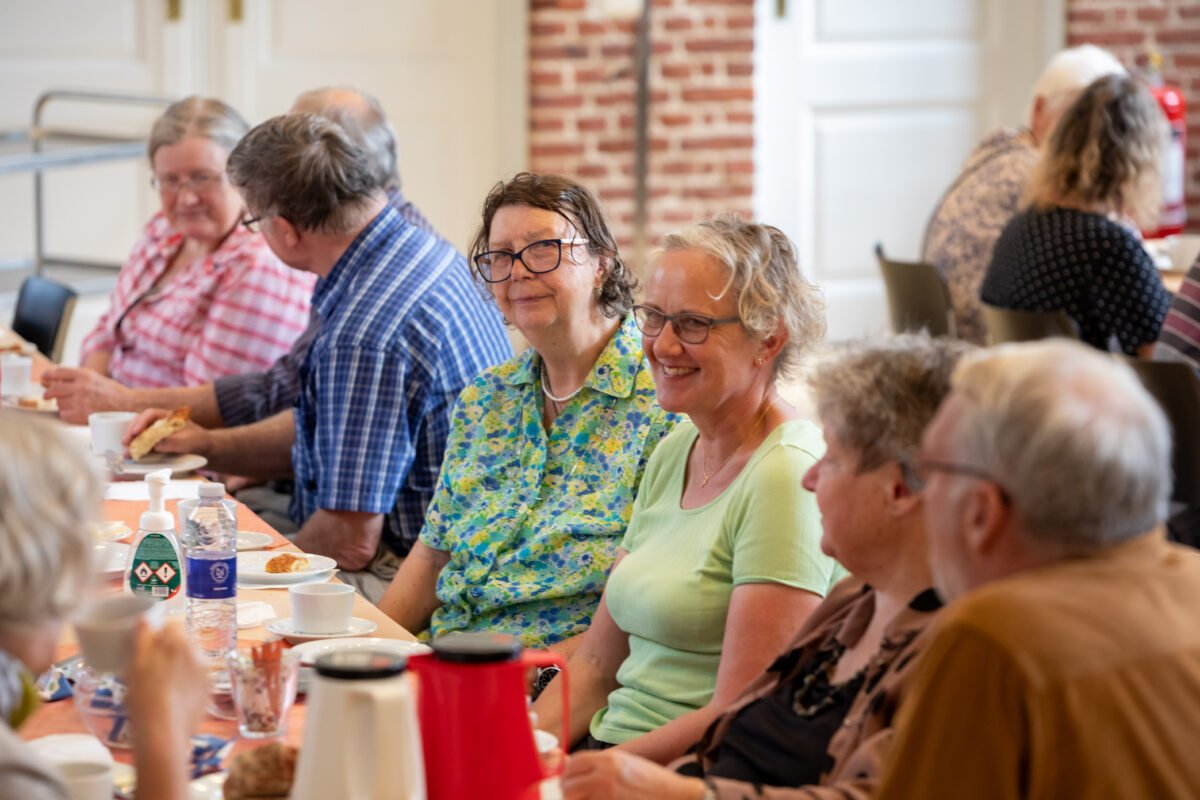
<point>1122,26</point>
<point>582,86</point>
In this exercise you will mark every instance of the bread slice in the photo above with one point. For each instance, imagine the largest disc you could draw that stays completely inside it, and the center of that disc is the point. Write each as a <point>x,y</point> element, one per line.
<point>265,772</point>
<point>286,562</point>
<point>147,439</point>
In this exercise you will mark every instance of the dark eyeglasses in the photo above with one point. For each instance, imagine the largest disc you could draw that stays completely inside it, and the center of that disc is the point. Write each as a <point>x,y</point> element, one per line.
<point>689,327</point>
<point>253,224</point>
<point>542,256</point>
<point>922,468</point>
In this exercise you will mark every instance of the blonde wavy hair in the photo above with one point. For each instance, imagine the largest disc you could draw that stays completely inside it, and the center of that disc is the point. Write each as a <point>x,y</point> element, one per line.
<point>765,278</point>
<point>1103,154</point>
<point>48,491</point>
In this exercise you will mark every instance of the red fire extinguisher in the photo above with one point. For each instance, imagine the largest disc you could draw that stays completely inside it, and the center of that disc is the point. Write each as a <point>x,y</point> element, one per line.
<point>1172,167</point>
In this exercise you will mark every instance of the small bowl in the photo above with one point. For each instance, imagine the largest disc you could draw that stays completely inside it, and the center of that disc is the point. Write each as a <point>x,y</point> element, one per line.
<point>100,701</point>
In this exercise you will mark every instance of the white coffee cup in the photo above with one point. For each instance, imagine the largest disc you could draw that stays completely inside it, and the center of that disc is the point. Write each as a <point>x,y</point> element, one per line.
<point>108,430</point>
<point>16,375</point>
<point>87,780</point>
<point>321,607</point>
<point>105,629</point>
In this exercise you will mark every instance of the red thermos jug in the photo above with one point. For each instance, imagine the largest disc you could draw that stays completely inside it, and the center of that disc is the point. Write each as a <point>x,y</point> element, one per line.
<point>474,721</point>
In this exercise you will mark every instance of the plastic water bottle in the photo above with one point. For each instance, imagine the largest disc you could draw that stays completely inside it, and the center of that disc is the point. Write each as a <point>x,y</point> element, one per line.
<point>210,542</point>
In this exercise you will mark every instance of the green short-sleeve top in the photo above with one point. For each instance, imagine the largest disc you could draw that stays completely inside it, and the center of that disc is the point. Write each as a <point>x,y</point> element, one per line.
<point>671,593</point>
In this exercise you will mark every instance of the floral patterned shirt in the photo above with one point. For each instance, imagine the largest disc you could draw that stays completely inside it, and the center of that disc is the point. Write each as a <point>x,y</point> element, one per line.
<point>532,520</point>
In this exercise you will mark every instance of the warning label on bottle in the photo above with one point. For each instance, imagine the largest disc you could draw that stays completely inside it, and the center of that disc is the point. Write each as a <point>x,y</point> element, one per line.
<point>156,568</point>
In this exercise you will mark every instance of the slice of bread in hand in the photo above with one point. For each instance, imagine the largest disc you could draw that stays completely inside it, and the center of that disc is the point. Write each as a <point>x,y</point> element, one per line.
<point>147,439</point>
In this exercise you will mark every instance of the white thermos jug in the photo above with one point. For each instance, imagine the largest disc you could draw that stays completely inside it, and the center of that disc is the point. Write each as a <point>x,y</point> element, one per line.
<point>361,737</point>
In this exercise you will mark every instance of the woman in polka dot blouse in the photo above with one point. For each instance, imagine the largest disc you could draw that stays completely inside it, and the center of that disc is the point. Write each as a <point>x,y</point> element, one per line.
<point>1076,248</point>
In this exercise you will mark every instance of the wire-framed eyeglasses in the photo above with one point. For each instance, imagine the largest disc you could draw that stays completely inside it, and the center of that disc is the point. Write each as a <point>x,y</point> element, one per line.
<point>689,327</point>
<point>252,224</point>
<point>923,467</point>
<point>544,255</point>
<point>198,182</point>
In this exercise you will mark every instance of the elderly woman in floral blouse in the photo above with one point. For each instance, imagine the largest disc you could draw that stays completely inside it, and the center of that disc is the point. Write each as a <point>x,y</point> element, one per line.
<point>546,451</point>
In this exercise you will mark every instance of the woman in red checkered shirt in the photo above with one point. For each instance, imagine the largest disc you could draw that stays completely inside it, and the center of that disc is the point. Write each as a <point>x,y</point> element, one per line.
<point>200,296</point>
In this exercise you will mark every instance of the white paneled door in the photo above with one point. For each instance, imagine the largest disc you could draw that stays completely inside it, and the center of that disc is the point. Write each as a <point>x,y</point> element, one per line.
<point>451,75</point>
<point>864,112</point>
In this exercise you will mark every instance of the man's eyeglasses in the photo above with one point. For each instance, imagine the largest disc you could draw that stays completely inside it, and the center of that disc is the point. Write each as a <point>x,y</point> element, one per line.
<point>542,256</point>
<point>198,182</point>
<point>253,224</point>
<point>922,468</point>
<point>689,327</point>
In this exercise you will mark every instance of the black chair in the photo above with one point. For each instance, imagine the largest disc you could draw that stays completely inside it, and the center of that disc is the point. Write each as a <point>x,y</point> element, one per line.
<point>918,297</point>
<point>1009,325</point>
<point>43,312</point>
<point>1177,389</point>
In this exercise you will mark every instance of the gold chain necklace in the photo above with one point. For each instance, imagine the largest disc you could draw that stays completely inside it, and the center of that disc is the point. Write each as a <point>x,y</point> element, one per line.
<point>704,458</point>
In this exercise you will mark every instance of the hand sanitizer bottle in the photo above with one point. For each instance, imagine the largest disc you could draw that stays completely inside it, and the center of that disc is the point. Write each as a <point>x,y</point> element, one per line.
<point>155,568</point>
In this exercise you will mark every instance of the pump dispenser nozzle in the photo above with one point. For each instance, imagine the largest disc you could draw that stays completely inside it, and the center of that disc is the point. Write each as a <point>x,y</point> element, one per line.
<point>157,518</point>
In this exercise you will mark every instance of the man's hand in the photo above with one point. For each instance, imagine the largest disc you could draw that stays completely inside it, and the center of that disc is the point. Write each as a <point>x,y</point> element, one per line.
<point>80,392</point>
<point>190,439</point>
<point>617,775</point>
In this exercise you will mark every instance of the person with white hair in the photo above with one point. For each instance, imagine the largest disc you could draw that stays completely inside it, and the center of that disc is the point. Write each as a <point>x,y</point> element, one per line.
<point>1067,660</point>
<point>987,193</point>
<point>47,493</point>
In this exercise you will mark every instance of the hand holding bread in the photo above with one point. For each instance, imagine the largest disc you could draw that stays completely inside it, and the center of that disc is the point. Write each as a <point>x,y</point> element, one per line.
<point>158,430</point>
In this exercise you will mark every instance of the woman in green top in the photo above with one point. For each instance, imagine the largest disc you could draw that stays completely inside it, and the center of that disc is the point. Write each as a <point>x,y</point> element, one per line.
<point>722,560</point>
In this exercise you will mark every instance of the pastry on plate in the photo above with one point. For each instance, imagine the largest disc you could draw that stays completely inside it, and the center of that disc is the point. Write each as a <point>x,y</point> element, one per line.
<point>145,441</point>
<point>261,773</point>
<point>287,562</point>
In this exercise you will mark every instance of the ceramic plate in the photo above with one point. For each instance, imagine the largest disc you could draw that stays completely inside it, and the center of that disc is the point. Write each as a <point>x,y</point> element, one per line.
<point>311,651</point>
<point>109,531</point>
<point>177,464</point>
<point>208,787</point>
<point>43,406</point>
<point>249,540</point>
<point>108,559</point>
<point>252,569</point>
<point>287,629</point>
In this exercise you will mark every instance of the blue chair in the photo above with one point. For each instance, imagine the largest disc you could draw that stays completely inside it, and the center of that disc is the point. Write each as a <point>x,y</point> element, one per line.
<point>43,312</point>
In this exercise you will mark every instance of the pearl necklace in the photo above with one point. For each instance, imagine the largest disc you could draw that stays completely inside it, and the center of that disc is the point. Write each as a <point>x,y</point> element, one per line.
<point>704,458</point>
<point>558,401</point>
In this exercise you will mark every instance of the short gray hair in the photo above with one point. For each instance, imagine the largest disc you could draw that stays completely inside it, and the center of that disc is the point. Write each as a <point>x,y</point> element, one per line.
<point>765,277</point>
<point>304,168</point>
<point>48,492</point>
<point>880,395</point>
<point>362,118</point>
<point>206,117</point>
<point>1080,446</point>
<point>1072,70</point>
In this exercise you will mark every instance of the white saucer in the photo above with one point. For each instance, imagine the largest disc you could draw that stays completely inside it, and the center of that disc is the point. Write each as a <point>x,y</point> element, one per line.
<point>311,651</point>
<point>177,464</point>
<point>287,629</point>
<point>250,540</point>
<point>208,787</point>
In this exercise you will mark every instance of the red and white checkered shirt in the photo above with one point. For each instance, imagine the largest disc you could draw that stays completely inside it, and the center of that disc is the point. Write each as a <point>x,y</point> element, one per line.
<point>235,311</point>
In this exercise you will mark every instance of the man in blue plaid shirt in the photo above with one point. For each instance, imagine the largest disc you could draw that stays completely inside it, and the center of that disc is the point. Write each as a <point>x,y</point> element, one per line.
<point>403,330</point>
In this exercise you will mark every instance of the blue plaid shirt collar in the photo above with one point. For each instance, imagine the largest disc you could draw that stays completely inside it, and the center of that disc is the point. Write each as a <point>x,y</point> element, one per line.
<point>614,373</point>
<point>330,289</point>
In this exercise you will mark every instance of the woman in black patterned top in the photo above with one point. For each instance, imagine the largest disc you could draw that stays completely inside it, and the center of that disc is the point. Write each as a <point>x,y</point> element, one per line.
<point>1075,249</point>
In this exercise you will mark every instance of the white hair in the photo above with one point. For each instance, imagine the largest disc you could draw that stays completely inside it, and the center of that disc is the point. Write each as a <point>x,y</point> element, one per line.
<point>48,491</point>
<point>1070,433</point>
<point>1070,72</point>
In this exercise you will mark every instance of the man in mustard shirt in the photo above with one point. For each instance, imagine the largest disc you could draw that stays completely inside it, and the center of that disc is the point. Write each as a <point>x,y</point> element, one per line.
<point>1067,663</point>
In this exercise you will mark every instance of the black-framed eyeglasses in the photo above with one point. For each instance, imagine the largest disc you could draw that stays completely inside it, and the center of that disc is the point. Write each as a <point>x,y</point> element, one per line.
<point>922,468</point>
<point>253,224</point>
<point>198,182</point>
<point>689,327</point>
<point>541,256</point>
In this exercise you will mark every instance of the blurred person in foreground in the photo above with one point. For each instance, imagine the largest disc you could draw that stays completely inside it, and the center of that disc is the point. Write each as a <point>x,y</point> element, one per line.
<point>47,493</point>
<point>1067,661</point>
<point>249,396</point>
<point>546,451</point>
<point>721,561</point>
<point>989,191</point>
<point>200,296</point>
<point>817,723</point>
<point>1077,248</point>
<point>403,330</point>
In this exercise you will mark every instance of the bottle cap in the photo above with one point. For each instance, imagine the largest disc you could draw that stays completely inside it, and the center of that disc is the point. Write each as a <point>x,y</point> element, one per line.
<point>212,490</point>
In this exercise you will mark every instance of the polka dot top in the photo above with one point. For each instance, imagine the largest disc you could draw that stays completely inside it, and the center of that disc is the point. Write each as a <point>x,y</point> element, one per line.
<point>1061,259</point>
